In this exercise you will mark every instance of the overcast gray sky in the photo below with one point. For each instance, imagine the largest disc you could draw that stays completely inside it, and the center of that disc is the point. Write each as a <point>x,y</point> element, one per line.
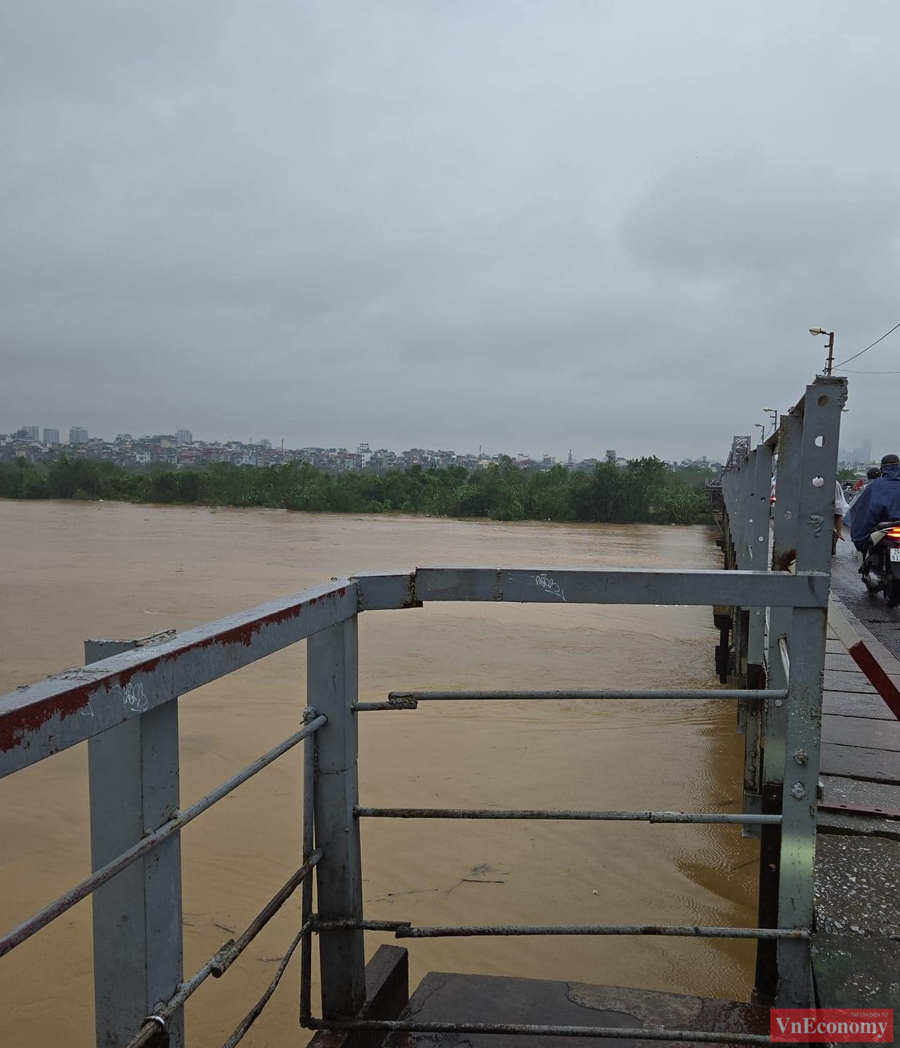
<point>530,224</point>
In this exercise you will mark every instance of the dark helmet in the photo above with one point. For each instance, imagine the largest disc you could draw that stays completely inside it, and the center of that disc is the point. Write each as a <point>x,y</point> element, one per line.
<point>873,474</point>
<point>890,460</point>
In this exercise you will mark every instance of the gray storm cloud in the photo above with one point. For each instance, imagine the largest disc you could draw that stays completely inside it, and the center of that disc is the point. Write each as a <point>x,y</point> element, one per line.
<point>533,225</point>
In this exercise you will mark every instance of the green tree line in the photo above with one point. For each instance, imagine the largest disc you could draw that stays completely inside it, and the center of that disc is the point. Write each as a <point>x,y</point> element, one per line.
<point>646,490</point>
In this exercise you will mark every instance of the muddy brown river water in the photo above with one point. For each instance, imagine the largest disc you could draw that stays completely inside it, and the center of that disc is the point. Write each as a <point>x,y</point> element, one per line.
<point>69,571</point>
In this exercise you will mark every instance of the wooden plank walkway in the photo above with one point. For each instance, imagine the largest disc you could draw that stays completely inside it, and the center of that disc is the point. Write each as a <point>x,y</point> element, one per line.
<point>856,953</point>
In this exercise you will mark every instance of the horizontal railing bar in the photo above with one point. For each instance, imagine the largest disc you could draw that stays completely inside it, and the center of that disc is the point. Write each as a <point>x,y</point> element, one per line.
<point>779,589</point>
<point>601,929</point>
<point>530,1029</point>
<point>81,891</point>
<point>396,697</point>
<point>405,930</point>
<point>390,704</point>
<point>409,700</point>
<point>223,958</point>
<point>586,816</point>
<point>41,719</point>
<point>350,924</point>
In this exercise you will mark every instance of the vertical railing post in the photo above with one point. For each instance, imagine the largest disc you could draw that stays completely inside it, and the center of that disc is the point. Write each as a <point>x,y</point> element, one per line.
<point>742,649</point>
<point>818,463</point>
<point>742,560</point>
<point>757,536</point>
<point>332,682</point>
<point>134,788</point>
<point>784,551</point>
<point>308,844</point>
<point>723,615</point>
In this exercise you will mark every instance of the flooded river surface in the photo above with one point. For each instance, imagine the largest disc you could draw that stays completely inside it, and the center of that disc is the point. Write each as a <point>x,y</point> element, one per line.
<point>70,571</point>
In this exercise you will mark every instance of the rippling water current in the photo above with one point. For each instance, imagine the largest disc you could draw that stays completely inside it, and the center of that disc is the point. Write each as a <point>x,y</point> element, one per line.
<point>69,571</point>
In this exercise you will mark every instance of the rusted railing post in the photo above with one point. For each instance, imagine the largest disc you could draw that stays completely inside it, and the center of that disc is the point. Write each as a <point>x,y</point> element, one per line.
<point>134,788</point>
<point>332,684</point>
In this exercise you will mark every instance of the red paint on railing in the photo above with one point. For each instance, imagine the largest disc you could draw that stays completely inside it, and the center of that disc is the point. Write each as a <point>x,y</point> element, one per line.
<point>17,725</point>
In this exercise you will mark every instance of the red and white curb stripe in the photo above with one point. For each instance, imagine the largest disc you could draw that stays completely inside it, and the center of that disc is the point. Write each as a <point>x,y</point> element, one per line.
<point>863,647</point>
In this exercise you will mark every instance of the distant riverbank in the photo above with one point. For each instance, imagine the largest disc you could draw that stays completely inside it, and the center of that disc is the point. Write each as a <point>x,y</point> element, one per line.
<point>645,491</point>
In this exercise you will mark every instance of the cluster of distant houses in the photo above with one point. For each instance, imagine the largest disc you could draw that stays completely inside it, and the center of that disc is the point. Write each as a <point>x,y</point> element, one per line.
<point>180,450</point>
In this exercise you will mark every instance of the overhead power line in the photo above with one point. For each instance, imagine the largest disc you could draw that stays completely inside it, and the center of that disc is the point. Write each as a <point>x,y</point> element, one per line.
<point>866,350</point>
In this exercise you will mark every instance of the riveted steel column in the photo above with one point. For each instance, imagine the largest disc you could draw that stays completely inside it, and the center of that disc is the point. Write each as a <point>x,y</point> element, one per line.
<point>134,788</point>
<point>332,683</point>
<point>784,552</point>
<point>818,464</point>
<point>758,560</point>
<point>739,526</point>
<point>784,548</point>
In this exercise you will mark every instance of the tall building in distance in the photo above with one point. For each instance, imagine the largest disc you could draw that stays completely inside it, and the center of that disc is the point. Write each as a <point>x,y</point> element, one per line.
<point>78,435</point>
<point>184,436</point>
<point>34,432</point>
<point>51,436</point>
<point>611,457</point>
<point>856,456</point>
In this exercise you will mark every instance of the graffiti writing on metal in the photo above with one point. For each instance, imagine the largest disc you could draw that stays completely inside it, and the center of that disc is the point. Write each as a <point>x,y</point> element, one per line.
<point>133,698</point>
<point>550,586</point>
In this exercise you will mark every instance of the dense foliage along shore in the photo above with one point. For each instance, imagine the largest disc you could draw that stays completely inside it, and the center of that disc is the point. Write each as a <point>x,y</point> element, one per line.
<point>645,490</point>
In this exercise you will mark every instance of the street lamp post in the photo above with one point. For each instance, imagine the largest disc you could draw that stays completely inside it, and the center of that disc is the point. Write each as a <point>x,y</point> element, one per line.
<point>830,334</point>
<point>774,419</point>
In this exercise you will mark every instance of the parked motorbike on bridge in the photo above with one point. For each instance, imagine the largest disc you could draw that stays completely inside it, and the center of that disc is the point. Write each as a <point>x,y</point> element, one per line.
<point>880,562</point>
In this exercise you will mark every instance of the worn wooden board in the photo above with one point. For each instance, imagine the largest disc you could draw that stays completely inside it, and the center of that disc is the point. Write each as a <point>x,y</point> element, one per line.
<point>843,790</point>
<point>840,661</point>
<point>860,731</point>
<point>860,762</point>
<point>838,680</point>
<point>856,704</point>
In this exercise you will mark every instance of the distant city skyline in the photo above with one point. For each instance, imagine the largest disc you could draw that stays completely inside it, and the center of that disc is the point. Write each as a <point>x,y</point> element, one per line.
<point>849,451</point>
<point>182,436</point>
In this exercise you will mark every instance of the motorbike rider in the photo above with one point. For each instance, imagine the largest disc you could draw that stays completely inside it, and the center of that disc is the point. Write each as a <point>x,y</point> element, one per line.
<point>873,474</point>
<point>878,501</point>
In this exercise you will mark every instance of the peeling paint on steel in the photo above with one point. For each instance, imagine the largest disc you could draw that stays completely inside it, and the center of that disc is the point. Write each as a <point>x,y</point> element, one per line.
<point>35,720</point>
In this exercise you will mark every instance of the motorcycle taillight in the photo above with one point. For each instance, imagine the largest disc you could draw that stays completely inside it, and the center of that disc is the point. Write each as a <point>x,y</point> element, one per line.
<point>893,533</point>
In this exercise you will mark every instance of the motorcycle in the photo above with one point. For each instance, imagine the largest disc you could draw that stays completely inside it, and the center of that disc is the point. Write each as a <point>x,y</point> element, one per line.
<point>880,562</point>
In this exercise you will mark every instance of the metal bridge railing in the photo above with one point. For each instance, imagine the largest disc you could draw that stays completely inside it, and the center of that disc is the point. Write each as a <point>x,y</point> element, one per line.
<point>125,706</point>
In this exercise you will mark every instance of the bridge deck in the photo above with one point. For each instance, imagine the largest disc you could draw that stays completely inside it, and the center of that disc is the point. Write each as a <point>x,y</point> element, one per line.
<point>498,999</point>
<point>856,953</point>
